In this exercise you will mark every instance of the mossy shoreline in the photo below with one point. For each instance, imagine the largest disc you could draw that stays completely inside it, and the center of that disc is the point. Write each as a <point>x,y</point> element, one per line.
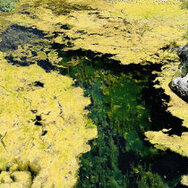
<point>128,37</point>
<point>120,167</point>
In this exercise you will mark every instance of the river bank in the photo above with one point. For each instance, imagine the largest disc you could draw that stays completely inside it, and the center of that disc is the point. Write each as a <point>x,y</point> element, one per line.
<point>118,58</point>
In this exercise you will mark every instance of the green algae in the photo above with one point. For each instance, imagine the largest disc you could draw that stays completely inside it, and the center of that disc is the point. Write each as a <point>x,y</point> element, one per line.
<point>7,5</point>
<point>117,101</point>
<point>120,114</point>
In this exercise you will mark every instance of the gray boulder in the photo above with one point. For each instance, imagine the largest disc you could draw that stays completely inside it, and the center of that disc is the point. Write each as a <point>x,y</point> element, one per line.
<point>180,87</point>
<point>183,54</point>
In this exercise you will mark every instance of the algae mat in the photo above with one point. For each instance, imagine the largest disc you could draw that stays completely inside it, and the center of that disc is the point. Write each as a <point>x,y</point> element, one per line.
<point>131,32</point>
<point>178,108</point>
<point>48,101</point>
<point>43,128</point>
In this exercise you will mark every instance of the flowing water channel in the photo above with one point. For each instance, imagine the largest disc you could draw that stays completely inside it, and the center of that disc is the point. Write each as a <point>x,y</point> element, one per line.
<point>124,106</point>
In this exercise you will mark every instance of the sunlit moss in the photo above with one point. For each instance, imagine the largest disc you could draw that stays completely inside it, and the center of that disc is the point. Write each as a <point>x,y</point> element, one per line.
<point>43,127</point>
<point>184,180</point>
<point>132,31</point>
<point>177,107</point>
<point>117,29</point>
<point>178,144</point>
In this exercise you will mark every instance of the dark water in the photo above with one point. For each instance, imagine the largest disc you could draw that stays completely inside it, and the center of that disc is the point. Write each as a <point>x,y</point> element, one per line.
<point>124,106</point>
<point>122,110</point>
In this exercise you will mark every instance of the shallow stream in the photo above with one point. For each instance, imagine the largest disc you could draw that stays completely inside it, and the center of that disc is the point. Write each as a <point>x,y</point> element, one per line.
<point>124,106</point>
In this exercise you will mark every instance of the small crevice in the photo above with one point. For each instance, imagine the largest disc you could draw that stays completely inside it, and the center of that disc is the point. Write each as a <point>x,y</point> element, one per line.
<point>38,84</point>
<point>65,27</point>
<point>44,132</point>
<point>37,123</point>
<point>38,120</point>
<point>33,173</point>
<point>12,178</point>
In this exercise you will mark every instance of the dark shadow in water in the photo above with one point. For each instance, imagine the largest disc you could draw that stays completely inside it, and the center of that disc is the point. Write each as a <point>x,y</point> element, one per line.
<point>111,161</point>
<point>155,99</point>
<point>171,165</point>
<point>160,117</point>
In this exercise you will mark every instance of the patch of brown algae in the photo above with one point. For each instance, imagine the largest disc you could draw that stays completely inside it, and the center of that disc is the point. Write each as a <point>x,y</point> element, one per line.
<point>43,128</point>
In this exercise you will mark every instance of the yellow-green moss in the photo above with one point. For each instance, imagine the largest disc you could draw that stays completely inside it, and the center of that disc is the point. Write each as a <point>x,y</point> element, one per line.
<point>132,31</point>
<point>23,149</point>
<point>177,107</point>
<point>178,144</point>
<point>184,180</point>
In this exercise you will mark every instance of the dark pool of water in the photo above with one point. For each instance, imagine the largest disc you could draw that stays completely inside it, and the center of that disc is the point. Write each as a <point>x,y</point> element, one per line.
<point>124,106</point>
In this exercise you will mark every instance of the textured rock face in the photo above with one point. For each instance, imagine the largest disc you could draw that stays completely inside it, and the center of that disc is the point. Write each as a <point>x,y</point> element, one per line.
<point>180,87</point>
<point>183,54</point>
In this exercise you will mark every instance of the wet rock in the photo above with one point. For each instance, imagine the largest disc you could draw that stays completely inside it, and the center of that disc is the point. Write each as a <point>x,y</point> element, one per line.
<point>25,46</point>
<point>180,87</point>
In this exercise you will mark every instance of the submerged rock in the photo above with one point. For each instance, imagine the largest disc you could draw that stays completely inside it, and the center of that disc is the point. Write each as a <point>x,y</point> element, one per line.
<point>180,87</point>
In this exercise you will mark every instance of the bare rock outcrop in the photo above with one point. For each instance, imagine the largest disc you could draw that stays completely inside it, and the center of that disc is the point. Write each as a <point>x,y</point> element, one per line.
<point>180,85</point>
<point>183,54</point>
